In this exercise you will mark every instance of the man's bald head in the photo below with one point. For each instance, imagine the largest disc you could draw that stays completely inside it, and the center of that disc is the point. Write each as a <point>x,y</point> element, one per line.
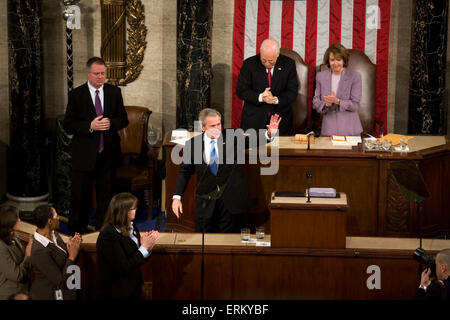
<point>270,50</point>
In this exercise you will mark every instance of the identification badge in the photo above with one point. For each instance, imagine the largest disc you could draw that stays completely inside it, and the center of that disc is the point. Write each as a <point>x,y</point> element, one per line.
<point>58,295</point>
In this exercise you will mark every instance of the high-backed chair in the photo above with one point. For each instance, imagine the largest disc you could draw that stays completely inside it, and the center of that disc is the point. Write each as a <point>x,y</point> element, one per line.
<point>360,62</point>
<point>300,105</point>
<point>136,172</point>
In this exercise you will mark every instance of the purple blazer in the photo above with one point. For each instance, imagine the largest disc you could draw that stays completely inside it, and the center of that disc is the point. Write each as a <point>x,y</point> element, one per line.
<point>342,119</point>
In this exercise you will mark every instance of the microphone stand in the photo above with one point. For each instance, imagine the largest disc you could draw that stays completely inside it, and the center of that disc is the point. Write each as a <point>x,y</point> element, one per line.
<point>309,176</point>
<point>202,264</point>
<point>419,202</point>
<point>309,146</point>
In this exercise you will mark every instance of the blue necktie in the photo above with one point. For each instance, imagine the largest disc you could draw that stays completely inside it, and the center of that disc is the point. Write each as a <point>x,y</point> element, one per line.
<point>213,159</point>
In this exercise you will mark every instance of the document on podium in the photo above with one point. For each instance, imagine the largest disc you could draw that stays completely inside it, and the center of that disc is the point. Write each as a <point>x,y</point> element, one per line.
<point>345,140</point>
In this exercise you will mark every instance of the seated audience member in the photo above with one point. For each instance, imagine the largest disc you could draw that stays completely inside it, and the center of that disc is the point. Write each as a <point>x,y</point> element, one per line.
<point>121,250</point>
<point>337,94</point>
<point>50,257</point>
<point>436,289</point>
<point>14,259</point>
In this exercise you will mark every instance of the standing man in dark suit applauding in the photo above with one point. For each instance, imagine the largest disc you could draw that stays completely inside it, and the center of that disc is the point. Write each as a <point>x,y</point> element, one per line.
<point>221,193</point>
<point>268,84</point>
<point>95,113</point>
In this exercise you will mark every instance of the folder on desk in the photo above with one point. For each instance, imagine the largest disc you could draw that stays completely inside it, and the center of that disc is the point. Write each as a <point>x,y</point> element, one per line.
<point>315,193</point>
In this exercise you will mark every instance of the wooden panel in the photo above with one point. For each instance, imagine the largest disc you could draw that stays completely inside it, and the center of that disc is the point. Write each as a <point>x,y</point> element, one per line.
<point>339,274</point>
<point>308,228</point>
<point>354,177</point>
<point>375,207</point>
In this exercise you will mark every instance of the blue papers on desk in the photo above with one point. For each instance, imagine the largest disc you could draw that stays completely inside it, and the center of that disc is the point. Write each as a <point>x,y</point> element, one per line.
<point>322,192</point>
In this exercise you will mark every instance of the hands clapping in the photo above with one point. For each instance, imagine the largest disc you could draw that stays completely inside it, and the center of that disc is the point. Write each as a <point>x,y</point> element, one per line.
<point>148,239</point>
<point>267,97</point>
<point>28,248</point>
<point>329,100</point>
<point>73,246</point>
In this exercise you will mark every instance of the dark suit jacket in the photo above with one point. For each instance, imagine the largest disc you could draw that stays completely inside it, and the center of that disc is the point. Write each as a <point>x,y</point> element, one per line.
<point>119,261</point>
<point>79,114</point>
<point>14,267</point>
<point>50,270</point>
<point>229,184</point>
<point>253,80</point>
<point>434,292</point>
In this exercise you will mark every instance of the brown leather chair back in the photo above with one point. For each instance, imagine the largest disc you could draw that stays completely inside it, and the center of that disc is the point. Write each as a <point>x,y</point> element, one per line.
<point>300,105</point>
<point>360,62</point>
<point>133,138</point>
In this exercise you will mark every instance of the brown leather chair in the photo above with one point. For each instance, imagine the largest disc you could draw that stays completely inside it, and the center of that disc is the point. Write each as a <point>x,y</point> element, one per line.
<point>360,62</point>
<point>300,105</point>
<point>136,172</point>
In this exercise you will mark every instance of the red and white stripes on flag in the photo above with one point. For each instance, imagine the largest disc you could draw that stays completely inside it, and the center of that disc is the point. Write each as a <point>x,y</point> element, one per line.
<point>309,27</point>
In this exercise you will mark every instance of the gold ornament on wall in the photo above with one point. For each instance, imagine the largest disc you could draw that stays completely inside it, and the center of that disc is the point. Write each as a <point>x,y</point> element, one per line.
<point>123,56</point>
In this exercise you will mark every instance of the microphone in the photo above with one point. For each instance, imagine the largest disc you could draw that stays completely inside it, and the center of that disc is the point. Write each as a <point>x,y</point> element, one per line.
<point>309,175</point>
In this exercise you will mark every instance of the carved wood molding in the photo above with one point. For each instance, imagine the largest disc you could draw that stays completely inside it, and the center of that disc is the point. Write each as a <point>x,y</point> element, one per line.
<point>398,210</point>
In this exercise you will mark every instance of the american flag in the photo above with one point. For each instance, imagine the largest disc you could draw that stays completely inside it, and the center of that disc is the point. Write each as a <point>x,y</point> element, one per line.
<point>309,27</point>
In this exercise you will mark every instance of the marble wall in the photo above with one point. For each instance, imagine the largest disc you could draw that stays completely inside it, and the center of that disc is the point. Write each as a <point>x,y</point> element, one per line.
<point>428,62</point>
<point>193,60</point>
<point>4,97</point>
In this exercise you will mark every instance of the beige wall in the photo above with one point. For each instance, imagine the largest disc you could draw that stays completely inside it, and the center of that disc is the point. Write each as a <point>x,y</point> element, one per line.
<point>222,55</point>
<point>399,61</point>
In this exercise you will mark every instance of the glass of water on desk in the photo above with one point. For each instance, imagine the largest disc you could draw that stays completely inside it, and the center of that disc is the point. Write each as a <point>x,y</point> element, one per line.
<point>260,234</point>
<point>245,234</point>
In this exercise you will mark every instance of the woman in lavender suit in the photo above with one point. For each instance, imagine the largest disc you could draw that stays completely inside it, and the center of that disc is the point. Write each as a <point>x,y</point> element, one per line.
<point>337,94</point>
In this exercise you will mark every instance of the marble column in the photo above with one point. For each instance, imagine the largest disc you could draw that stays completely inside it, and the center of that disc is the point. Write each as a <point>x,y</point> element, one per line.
<point>27,175</point>
<point>194,31</point>
<point>427,110</point>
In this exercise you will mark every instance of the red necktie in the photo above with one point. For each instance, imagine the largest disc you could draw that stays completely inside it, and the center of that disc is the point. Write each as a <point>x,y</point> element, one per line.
<point>269,77</point>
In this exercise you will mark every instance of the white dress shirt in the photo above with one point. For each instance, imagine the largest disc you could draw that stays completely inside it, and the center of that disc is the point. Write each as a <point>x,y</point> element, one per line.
<point>45,241</point>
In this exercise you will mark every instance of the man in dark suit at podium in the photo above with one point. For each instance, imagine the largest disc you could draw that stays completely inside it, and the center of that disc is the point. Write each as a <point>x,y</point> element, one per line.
<point>221,193</point>
<point>94,115</point>
<point>268,84</point>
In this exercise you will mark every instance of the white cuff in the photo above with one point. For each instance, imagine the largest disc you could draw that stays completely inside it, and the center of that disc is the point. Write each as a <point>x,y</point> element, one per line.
<point>176,197</point>
<point>260,98</point>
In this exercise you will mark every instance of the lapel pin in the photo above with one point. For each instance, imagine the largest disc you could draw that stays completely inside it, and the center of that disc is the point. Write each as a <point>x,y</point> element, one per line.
<point>279,69</point>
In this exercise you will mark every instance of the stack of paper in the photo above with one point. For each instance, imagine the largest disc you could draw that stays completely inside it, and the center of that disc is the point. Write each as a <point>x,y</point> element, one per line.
<point>180,136</point>
<point>345,140</point>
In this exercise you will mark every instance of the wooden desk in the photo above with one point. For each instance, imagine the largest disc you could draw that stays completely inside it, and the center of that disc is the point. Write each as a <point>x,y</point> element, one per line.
<point>294,223</point>
<point>250,272</point>
<point>376,207</point>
